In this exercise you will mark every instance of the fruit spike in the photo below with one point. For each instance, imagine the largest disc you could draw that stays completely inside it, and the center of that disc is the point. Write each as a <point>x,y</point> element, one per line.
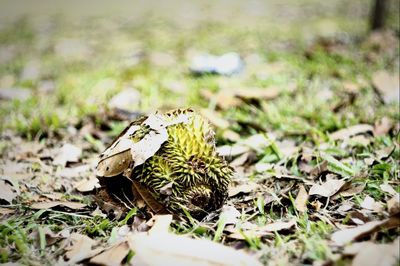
<point>186,172</point>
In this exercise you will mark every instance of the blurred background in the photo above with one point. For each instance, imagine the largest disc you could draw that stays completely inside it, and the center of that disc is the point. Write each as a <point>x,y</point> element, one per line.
<point>62,61</point>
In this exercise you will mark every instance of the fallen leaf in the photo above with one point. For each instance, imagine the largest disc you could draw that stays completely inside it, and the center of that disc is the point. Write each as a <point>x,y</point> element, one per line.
<point>81,248</point>
<point>161,224</point>
<point>345,236</point>
<point>351,191</point>
<point>370,204</point>
<point>86,185</point>
<point>214,118</point>
<point>393,205</point>
<point>7,191</point>
<point>229,214</point>
<point>5,211</point>
<point>327,189</point>
<point>301,200</point>
<point>383,126</point>
<point>388,189</point>
<point>372,254</point>
<point>234,150</point>
<point>278,226</point>
<point>243,188</point>
<point>128,99</point>
<point>112,256</point>
<point>68,153</point>
<point>52,204</point>
<point>387,85</point>
<point>257,93</point>
<point>169,249</point>
<point>348,132</point>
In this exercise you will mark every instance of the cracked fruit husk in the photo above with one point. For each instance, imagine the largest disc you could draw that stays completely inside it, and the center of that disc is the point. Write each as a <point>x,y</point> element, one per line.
<point>172,156</point>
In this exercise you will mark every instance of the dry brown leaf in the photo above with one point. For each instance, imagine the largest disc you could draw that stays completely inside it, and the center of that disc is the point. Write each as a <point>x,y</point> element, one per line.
<point>81,248</point>
<point>351,191</point>
<point>388,189</point>
<point>372,254</point>
<point>393,205</point>
<point>348,132</point>
<point>235,150</point>
<point>387,85</point>
<point>7,191</point>
<point>327,189</point>
<point>112,256</point>
<point>67,153</point>
<point>86,185</point>
<point>257,93</point>
<point>224,98</point>
<point>214,118</point>
<point>52,204</point>
<point>370,204</point>
<point>278,226</point>
<point>5,211</point>
<point>345,236</point>
<point>301,200</point>
<point>169,249</point>
<point>243,188</point>
<point>383,126</point>
<point>141,192</point>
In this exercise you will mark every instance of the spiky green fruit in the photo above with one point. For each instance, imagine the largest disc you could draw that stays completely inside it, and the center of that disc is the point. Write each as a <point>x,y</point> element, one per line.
<point>185,172</point>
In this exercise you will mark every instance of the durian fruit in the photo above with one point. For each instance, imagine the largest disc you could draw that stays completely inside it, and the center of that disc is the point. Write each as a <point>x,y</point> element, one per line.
<point>184,173</point>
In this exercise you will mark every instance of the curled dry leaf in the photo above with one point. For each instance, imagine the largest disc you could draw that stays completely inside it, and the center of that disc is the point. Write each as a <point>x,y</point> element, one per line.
<point>52,204</point>
<point>345,236</point>
<point>112,256</point>
<point>81,248</point>
<point>348,132</point>
<point>68,153</point>
<point>7,191</point>
<point>169,249</point>
<point>301,200</point>
<point>371,254</point>
<point>387,85</point>
<point>383,126</point>
<point>215,118</point>
<point>86,185</point>
<point>327,189</point>
<point>393,205</point>
<point>243,188</point>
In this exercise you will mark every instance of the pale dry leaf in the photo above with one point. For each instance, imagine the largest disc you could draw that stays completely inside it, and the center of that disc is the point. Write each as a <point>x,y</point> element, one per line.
<point>393,205</point>
<point>234,150</point>
<point>112,256</point>
<point>345,236</point>
<point>243,188</point>
<point>229,214</point>
<point>161,224</point>
<point>5,211</point>
<point>52,204</point>
<point>351,191</point>
<point>348,132</point>
<point>169,249</point>
<point>7,192</point>
<point>278,226</point>
<point>327,189</point>
<point>388,189</point>
<point>301,200</point>
<point>383,126</point>
<point>378,254</point>
<point>81,248</point>
<point>370,204</point>
<point>387,85</point>
<point>215,118</point>
<point>86,185</point>
<point>20,94</point>
<point>127,99</point>
<point>67,153</point>
<point>257,93</point>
